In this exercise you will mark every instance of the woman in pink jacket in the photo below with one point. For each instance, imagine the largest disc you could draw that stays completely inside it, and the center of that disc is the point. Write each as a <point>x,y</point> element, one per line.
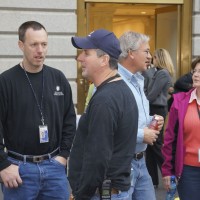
<point>181,149</point>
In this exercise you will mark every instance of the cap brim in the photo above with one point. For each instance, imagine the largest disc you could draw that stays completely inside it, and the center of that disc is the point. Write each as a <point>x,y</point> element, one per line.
<point>82,43</point>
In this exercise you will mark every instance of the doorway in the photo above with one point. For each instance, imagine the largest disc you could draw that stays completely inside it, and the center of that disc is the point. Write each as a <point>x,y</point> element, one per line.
<point>163,21</point>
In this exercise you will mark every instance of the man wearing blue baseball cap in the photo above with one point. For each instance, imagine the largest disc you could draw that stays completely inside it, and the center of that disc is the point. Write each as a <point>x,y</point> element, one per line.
<point>100,159</point>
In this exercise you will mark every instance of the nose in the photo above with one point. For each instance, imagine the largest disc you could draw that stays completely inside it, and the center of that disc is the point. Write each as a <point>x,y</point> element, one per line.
<point>80,57</point>
<point>40,48</point>
<point>149,55</point>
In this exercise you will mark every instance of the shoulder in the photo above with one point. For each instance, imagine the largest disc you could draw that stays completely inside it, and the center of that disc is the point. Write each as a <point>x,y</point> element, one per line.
<point>149,72</point>
<point>163,75</point>
<point>163,71</point>
<point>114,91</point>
<point>180,96</point>
<point>11,70</point>
<point>56,73</point>
<point>53,70</point>
<point>11,73</point>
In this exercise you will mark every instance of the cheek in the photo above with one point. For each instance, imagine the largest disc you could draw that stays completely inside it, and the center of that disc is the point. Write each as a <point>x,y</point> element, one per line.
<point>27,53</point>
<point>45,50</point>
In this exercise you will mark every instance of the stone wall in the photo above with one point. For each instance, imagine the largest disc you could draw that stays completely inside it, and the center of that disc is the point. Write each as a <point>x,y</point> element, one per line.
<point>60,20</point>
<point>196,28</point>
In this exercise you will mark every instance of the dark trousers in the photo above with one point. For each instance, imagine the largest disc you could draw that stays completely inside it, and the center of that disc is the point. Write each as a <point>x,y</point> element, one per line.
<point>189,183</point>
<point>154,157</point>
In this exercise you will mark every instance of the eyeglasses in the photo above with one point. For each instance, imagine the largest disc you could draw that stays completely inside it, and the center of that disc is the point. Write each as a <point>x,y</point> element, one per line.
<point>147,52</point>
<point>196,71</point>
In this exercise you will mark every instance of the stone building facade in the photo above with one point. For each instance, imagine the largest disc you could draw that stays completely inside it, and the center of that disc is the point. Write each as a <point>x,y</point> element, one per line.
<point>60,19</point>
<point>196,28</point>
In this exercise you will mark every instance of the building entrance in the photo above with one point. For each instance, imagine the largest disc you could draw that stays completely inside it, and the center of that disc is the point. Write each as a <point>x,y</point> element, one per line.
<point>168,23</point>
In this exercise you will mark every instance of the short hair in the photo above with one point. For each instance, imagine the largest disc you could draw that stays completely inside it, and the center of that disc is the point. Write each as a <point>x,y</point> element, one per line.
<point>113,62</point>
<point>195,62</point>
<point>131,40</point>
<point>26,25</point>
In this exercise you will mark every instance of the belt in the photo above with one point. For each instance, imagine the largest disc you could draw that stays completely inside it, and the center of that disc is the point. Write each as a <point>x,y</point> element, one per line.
<point>113,191</point>
<point>138,156</point>
<point>34,159</point>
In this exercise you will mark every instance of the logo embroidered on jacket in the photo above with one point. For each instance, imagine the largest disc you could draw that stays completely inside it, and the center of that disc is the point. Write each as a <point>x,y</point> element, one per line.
<point>58,92</point>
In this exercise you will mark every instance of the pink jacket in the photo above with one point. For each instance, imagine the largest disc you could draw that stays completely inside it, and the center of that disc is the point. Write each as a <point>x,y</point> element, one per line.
<point>173,148</point>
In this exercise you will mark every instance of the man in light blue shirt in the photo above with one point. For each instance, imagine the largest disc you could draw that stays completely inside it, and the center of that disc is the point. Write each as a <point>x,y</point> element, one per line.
<point>132,61</point>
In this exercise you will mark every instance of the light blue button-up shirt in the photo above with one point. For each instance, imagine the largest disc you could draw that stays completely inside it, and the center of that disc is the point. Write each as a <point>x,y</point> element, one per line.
<point>136,84</point>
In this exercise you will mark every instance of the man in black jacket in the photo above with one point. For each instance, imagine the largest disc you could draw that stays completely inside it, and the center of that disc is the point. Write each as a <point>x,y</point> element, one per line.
<point>105,140</point>
<point>37,123</point>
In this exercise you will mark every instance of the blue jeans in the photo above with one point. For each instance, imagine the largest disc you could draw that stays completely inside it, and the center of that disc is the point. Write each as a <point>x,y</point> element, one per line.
<point>141,183</point>
<point>189,183</point>
<point>41,181</point>
<point>121,196</point>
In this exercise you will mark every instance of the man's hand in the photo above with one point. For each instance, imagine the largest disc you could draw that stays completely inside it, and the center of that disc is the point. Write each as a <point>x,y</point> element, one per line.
<point>150,136</point>
<point>10,176</point>
<point>160,120</point>
<point>61,160</point>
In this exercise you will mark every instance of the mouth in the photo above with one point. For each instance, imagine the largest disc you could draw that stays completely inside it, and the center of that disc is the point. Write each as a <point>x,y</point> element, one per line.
<point>83,68</point>
<point>82,65</point>
<point>196,81</point>
<point>39,57</point>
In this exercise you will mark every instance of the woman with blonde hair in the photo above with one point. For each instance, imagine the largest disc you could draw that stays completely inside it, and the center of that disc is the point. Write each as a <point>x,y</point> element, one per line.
<point>157,94</point>
<point>162,60</point>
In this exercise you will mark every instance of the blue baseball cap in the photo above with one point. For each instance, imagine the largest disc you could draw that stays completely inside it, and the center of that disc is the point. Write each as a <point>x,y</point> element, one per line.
<point>99,39</point>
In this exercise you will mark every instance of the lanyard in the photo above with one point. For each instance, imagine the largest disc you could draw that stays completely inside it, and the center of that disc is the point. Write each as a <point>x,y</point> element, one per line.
<point>108,80</point>
<point>103,83</point>
<point>34,94</point>
<point>198,110</point>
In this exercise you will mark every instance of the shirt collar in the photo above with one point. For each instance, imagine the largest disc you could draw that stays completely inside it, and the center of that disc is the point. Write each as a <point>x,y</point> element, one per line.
<point>128,75</point>
<point>193,96</point>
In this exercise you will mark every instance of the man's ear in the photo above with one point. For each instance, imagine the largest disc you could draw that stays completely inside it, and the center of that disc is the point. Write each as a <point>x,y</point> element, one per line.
<point>131,55</point>
<point>21,45</point>
<point>105,59</point>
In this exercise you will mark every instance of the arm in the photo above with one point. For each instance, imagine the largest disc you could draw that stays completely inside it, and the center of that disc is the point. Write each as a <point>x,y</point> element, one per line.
<point>158,82</point>
<point>169,142</point>
<point>98,150</point>
<point>9,173</point>
<point>148,74</point>
<point>69,123</point>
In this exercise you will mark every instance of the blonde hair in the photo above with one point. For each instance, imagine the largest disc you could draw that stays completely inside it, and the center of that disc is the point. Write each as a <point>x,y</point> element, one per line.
<point>163,60</point>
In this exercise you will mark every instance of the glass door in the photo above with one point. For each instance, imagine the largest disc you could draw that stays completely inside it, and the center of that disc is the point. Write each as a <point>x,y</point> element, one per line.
<point>145,16</point>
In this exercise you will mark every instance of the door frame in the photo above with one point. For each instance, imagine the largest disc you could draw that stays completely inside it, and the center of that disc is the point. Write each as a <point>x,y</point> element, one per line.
<point>185,40</point>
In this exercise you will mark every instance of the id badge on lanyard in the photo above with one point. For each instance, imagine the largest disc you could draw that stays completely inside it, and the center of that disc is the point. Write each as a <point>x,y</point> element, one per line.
<point>43,134</point>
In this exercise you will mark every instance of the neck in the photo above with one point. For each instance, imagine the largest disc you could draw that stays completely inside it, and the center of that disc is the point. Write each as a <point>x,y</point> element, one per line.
<point>104,77</point>
<point>33,69</point>
<point>126,64</point>
<point>198,93</point>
